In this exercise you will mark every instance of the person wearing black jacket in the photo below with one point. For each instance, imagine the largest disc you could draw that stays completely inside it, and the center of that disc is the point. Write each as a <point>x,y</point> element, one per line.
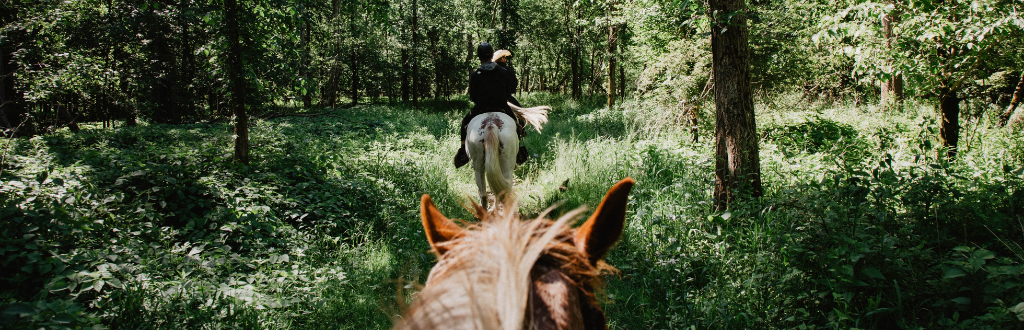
<point>502,57</point>
<point>489,90</point>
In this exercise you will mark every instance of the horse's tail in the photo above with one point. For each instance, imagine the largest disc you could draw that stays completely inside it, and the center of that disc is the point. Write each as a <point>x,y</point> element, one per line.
<point>536,116</point>
<point>492,165</point>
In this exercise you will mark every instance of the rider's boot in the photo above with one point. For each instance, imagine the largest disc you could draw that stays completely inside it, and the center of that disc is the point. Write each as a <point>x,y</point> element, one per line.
<point>522,155</point>
<point>461,158</point>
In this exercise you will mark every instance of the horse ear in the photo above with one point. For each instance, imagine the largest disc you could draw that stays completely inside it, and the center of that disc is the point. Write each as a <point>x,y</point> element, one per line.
<point>596,236</point>
<point>439,229</point>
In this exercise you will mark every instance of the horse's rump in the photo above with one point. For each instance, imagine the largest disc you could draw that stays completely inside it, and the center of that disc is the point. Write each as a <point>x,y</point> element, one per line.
<point>495,171</point>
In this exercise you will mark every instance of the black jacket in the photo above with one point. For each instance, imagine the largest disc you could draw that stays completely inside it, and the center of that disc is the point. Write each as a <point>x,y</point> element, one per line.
<point>511,82</point>
<point>489,87</point>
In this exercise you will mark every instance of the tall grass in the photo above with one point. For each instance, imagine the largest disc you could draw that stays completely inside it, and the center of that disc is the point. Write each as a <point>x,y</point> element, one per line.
<point>156,227</point>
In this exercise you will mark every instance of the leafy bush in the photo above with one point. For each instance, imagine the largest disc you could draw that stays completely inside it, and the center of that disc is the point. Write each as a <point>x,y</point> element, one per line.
<point>813,136</point>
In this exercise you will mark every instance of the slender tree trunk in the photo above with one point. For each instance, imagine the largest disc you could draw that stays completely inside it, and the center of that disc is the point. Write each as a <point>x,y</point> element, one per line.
<point>892,89</point>
<point>6,87</point>
<point>592,80</point>
<point>353,52</point>
<point>354,93</point>
<point>574,53</point>
<point>236,75</point>
<point>949,132</point>
<point>541,77</point>
<point>622,81</point>
<point>435,55</point>
<point>415,62</point>
<point>737,166</point>
<point>405,75</point>
<point>307,98</point>
<point>1017,95</point>
<point>612,39</point>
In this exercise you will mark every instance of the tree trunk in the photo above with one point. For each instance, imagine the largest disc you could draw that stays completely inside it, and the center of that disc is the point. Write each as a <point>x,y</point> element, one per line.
<point>353,58</point>
<point>415,63</point>
<point>574,53</point>
<point>6,86</point>
<point>236,75</point>
<point>1017,95</point>
<point>66,118</point>
<point>622,81</point>
<point>949,132</point>
<point>405,75</point>
<point>737,166</point>
<point>354,93</point>
<point>433,36</point>
<point>611,66</point>
<point>592,80</point>
<point>892,89</point>
<point>509,17</point>
<point>307,99</point>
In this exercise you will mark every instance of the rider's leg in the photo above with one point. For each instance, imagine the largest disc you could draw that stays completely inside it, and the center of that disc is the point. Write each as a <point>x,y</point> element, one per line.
<point>461,158</point>
<point>522,154</point>
<point>520,125</point>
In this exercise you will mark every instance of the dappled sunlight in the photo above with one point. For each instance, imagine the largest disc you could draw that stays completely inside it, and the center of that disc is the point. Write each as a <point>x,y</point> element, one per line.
<point>320,229</point>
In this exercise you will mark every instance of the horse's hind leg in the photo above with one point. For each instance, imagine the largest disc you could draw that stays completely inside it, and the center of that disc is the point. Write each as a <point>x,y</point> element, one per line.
<point>481,185</point>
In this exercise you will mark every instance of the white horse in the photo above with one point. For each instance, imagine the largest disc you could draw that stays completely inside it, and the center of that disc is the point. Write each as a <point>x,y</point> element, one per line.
<point>492,144</point>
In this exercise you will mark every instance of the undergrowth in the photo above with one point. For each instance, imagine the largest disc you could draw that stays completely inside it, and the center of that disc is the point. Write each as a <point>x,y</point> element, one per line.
<point>155,227</point>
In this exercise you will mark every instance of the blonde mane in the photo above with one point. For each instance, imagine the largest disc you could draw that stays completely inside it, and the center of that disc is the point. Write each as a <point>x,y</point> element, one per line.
<point>485,276</point>
<point>503,273</point>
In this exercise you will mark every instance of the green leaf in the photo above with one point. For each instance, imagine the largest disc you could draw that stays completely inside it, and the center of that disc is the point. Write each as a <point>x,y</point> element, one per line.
<point>842,316</point>
<point>115,283</point>
<point>961,300</point>
<point>1019,310</point>
<point>984,254</point>
<point>873,272</point>
<point>977,259</point>
<point>953,273</point>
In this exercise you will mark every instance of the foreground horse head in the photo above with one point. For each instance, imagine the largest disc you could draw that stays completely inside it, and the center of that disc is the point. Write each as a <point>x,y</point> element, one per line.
<point>503,273</point>
<point>491,144</point>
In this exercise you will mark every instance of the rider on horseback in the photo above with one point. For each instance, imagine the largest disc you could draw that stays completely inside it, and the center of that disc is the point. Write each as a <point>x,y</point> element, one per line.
<point>490,90</point>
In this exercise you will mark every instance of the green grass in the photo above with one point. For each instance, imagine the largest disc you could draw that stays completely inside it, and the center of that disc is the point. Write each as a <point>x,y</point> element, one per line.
<point>155,227</point>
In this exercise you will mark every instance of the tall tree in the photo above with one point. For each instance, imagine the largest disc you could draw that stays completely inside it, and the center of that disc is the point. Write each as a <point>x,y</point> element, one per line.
<point>892,85</point>
<point>414,58</point>
<point>574,50</point>
<point>236,75</point>
<point>737,165</point>
<point>353,49</point>
<point>612,40</point>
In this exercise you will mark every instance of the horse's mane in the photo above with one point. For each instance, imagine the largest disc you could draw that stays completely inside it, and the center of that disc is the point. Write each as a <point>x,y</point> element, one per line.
<point>483,280</point>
